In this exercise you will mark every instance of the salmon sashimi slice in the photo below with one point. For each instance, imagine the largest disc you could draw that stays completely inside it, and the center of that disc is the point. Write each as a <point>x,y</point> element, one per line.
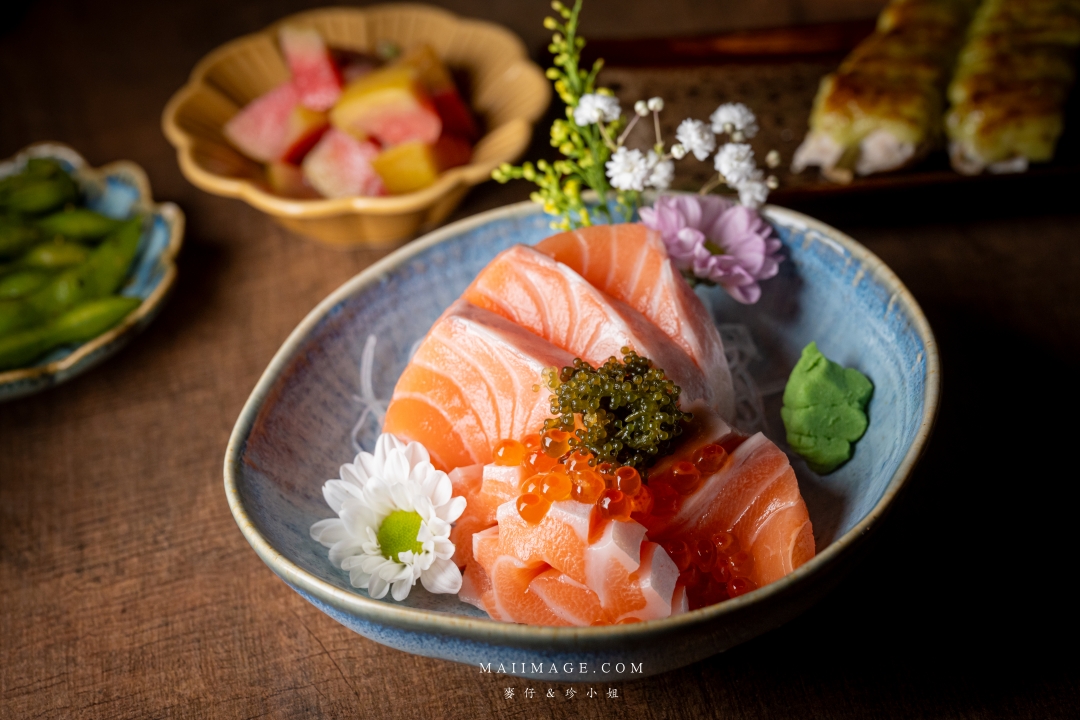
<point>630,263</point>
<point>510,581</point>
<point>569,599</point>
<point>754,496</point>
<point>559,540</point>
<point>549,299</point>
<point>470,384</point>
<point>467,482</point>
<point>475,582</point>
<point>655,579</point>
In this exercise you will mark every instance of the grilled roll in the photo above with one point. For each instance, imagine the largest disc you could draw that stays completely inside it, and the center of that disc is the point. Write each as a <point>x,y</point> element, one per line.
<point>1012,80</point>
<point>881,110</point>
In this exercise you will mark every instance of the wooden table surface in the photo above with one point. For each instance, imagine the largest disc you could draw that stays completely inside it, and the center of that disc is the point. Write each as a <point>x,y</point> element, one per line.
<point>126,590</point>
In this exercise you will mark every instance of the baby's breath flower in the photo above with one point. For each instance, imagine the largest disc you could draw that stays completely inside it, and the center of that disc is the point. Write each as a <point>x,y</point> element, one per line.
<point>661,172</point>
<point>656,104</point>
<point>594,108</point>
<point>627,169</point>
<point>734,117</point>
<point>752,193</point>
<point>696,137</point>
<point>678,151</point>
<point>772,159</point>
<point>641,108</point>
<point>735,162</point>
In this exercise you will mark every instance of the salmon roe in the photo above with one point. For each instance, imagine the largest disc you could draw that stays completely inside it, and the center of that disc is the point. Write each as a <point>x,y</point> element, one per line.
<point>614,504</point>
<point>555,443</point>
<point>508,453</point>
<point>709,458</point>
<point>685,477</point>
<point>712,569</point>
<point>532,508</point>
<point>556,486</point>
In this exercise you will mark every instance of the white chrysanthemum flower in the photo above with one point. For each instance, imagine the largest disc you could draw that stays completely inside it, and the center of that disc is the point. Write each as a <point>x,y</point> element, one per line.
<point>593,108</point>
<point>661,172</point>
<point>393,526</point>
<point>627,169</point>
<point>736,163</point>
<point>696,137</point>
<point>753,193</point>
<point>734,117</point>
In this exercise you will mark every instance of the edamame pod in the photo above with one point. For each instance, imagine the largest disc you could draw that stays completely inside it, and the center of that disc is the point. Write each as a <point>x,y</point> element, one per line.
<point>78,325</point>
<point>16,238</point>
<point>22,282</point>
<point>42,195</point>
<point>54,256</point>
<point>78,224</point>
<point>100,275</point>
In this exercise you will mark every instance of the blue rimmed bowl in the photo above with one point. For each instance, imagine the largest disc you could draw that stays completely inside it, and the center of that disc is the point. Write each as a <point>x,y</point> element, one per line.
<point>119,190</point>
<point>297,428</point>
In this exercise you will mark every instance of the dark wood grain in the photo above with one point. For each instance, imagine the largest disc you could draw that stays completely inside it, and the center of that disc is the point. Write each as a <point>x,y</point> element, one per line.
<point>126,590</point>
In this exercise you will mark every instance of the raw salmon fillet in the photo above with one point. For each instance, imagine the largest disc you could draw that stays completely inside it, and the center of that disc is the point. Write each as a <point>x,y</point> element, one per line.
<point>551,300</point>
<point>470,385</point>
<point>630,263</point>
<point>754,496</point>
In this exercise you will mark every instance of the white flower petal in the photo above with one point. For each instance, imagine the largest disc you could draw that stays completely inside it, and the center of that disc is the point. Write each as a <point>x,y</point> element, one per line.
<point>377,587</point>
<point>734,117</point>
<point>344,549</point>
<point>627,169</point>
<point>336,492</point>
<point>452,510</point>
<point>378,498</point>
<point>438,528</point>
<point>424,534</point>
<point>444,489</point>
<point>416,454</point>
<point>444,549</point>
<point>736,163</point>
<point>442,577</point>
<point>402,588</point>
<point>396,468</point>
<point>424,508</point>
<point>403,497</point>
<point>329,531</point>
<point>359,578</point>
<point>371,563</point>
<point>358,517</point>
<point>696,137</point>
<point>354,474</point>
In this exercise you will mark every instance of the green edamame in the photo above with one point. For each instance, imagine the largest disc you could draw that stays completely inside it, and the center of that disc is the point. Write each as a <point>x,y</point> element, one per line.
<point>22,282</point>
<point>80,324</point>
<point>78,224</point>
<point>37,196</point>
<point>16,238</point>
<point>100,275</point>
<point>54,256</point>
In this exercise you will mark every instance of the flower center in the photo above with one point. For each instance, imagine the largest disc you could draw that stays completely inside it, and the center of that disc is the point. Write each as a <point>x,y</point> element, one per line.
<point>713,248</point>
<point>398,533</point>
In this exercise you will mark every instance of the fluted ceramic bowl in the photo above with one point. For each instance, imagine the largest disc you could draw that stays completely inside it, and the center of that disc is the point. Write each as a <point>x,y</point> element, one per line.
<point>297,429</point>
<point>120,190</point>
<point>507,91</point>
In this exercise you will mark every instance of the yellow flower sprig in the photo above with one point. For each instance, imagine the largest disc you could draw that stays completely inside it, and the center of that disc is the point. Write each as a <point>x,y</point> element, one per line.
<point>585,149</point>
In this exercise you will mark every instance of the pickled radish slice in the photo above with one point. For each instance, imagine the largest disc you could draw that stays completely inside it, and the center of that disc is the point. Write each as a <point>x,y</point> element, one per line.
<point>508,453</point>
<point>532,508</point>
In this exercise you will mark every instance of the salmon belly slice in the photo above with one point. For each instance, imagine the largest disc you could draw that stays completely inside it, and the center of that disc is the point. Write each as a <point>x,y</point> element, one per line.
<point>485,488</point>
<point>630,263</point>
<point>551,300</point>
<point>470,385</point>
<point>754,496</point>
<point>630,576</point>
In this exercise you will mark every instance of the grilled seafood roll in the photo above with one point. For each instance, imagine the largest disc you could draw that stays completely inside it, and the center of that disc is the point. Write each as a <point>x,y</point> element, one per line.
<point>1012,80</point>
<point>881,110</point>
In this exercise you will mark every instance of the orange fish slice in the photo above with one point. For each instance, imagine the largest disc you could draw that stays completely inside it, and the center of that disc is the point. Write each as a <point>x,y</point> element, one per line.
<point>754,495</point>
<point>570,600</point>
<point>471,384</point>
<point>549,299</point>
<point>630,263</point>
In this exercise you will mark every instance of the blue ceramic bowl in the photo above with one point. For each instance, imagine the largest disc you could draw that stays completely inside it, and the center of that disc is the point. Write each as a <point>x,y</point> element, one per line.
<point>296,430</point>
<point>119,190</point>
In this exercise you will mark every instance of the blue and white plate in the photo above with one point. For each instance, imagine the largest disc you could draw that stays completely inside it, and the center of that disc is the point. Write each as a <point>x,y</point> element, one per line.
<point>119,190</point>
<point>298,427</point>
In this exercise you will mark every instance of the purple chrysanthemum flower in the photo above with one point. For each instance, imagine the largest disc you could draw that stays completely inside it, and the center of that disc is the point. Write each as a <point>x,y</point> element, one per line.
<point>718,241</point>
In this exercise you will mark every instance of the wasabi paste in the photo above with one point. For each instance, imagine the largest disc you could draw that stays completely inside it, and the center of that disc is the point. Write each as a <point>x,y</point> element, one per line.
<point>824,410</point>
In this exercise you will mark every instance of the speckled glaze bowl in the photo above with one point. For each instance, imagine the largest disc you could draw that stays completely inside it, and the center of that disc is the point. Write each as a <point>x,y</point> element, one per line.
<point>295,431</point>
<point>119,189</point>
